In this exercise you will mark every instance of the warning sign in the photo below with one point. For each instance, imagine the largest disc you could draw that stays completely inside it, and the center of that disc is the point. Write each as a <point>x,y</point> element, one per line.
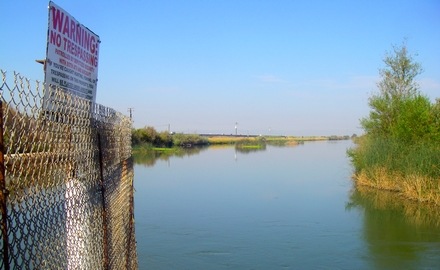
<point>72,54</point>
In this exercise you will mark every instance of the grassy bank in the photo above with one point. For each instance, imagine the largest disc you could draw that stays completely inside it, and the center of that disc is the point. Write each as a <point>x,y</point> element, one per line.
<point>172,143</point>
<point>411,170</point>
<point>225,140</point>
<point>271,140</point>
<point>146,148</point>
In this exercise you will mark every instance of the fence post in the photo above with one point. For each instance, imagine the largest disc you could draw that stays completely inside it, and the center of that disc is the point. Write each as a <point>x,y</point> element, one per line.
<point>128,257</point>
<point>104,206</point>
<point>3,195</point>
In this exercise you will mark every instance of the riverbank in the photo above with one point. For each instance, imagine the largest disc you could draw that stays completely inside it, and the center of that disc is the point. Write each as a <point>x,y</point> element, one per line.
<point>147,139</point>
<point>273,140</point>
<point>177,141</point>
<point>413,186</point>
<point>411,171</point>
<point>249,141</point>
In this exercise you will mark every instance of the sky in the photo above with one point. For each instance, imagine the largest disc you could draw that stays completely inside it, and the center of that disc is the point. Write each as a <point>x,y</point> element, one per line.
<point>281,67</point>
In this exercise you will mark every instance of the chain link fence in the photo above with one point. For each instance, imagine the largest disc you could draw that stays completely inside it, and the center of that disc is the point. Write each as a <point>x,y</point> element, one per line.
<point>66,181</point>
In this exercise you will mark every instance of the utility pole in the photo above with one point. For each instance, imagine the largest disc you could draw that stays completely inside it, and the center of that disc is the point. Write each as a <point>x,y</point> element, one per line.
<point>130,110</point>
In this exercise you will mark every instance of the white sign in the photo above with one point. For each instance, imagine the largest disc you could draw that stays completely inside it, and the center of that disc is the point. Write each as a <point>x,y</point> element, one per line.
<point>72,55</point>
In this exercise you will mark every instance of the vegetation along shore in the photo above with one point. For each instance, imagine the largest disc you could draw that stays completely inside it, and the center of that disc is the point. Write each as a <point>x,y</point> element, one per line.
<point>400,150</point>
<point>148,139</point>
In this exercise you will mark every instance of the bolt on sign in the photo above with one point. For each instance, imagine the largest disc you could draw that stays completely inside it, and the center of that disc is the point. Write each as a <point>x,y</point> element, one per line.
<point>72,55</point>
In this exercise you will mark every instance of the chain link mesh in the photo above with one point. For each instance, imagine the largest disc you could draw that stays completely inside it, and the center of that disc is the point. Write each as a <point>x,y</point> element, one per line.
<point>67,185</point>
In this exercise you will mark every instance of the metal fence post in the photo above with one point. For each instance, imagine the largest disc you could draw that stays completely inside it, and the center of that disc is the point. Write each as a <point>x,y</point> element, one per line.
<point>104,206</point>
<point>131,214</point>
<point>3,195</point>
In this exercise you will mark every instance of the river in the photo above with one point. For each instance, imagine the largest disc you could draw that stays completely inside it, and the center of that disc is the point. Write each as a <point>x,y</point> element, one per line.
<point>282,208</point>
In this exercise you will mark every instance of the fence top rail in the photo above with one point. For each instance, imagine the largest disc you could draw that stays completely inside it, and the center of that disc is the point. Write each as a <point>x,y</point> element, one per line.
<point>42,98</point>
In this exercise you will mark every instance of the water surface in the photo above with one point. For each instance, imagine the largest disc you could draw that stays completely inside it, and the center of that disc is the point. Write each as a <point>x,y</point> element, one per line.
<point>281,208</point>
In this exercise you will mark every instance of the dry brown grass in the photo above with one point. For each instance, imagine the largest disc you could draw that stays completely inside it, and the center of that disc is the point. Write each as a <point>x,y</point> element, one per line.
<point>225,139</point>
<point>414,187</point>
<point>310,138</point>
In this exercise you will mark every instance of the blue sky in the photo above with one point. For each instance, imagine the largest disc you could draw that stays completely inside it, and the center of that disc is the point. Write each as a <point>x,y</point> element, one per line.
<point>275,67</point>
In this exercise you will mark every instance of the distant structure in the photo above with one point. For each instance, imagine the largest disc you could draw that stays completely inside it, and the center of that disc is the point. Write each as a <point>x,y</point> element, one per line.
<point>130,110</point>
<point>236,128</point>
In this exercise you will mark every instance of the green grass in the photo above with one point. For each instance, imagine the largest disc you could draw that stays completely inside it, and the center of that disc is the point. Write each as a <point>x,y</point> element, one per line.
<point>256,146</point>
<point>413,170</point>
<point>420,158</point>
<point>147,148</point>
<point>141,148</point>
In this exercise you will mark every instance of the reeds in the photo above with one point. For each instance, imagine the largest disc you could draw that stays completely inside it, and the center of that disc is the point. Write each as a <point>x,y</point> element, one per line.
<point>225,139</point>
<point>412,170</point>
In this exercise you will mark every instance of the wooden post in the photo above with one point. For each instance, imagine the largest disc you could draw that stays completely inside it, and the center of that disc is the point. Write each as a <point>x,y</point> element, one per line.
<point>3,195</point>
<point>104,206</point>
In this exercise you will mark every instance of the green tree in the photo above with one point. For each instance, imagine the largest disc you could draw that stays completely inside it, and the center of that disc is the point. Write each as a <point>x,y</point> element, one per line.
<point>164,138</point>
<point>144,135</point>
<point>150,135</point>
<point>398,108</point>
<point>135,137</point>
<point>398,76</point>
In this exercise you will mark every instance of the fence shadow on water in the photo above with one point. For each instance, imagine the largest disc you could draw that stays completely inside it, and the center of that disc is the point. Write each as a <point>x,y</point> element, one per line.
<point>66,181</point>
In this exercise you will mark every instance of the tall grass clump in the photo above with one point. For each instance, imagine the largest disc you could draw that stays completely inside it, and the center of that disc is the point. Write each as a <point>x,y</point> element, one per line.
<point>185,140</point>
<point>421,158</point>
<point>389,164</point>
<point>256,143</point>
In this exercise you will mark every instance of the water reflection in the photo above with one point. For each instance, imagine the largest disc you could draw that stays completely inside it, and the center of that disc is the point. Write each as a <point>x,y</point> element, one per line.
<point>398,234</point>
<point>150,158</point>
<point>248,150</point>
